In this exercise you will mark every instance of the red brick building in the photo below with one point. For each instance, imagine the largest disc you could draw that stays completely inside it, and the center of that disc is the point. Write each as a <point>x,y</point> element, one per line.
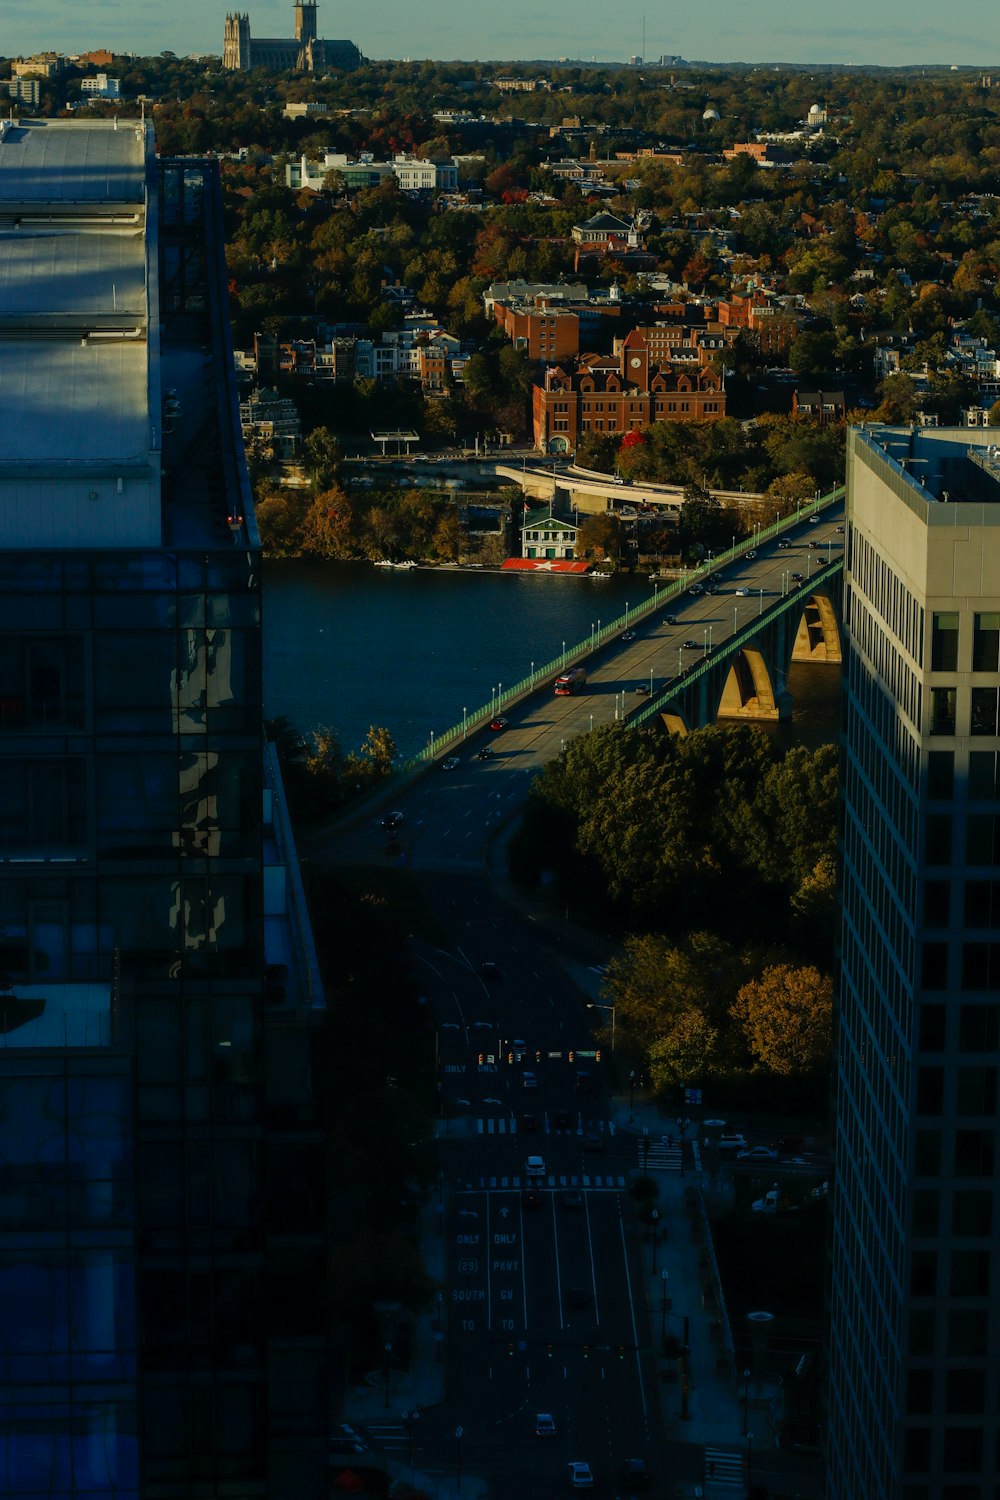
<point>620,393</point>
<point>549,334</point>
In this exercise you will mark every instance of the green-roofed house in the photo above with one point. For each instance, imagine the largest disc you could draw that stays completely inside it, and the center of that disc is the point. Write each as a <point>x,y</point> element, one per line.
<point>544,536</point>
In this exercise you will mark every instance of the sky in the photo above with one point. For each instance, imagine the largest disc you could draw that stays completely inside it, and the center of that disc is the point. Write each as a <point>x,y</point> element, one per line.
<point>892,32</point>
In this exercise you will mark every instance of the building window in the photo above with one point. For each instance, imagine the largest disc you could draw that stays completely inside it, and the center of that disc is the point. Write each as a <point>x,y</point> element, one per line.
<point>940,773</point>
<point>984,782</point>
<point>972,1212</point>
<point>43,808</point>
<point>41,682</point>
<point>975,1154</point>
<point>985,705</point>
<point>938,843</point>
<point>944,643</point>
<point>976,1091</point>
<point>986,643</point>
<point>937,903</point>
<point>978,1028</point>
<point>943,710</point>
<point>934,975</point>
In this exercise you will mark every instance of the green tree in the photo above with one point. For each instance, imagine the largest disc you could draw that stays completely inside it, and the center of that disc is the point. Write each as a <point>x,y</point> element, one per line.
<point>379,749</point>
<point>599,539</point>
<point>324,458</point>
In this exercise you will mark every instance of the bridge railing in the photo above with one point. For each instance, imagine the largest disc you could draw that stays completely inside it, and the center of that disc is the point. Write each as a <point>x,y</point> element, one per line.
<point>601,633</point>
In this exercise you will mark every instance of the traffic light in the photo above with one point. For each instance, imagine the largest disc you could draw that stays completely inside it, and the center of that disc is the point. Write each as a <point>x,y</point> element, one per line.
<point>597,1055</point>
<point>510,1057</point>
<point>571,1056</point>
<point>482,1058</point>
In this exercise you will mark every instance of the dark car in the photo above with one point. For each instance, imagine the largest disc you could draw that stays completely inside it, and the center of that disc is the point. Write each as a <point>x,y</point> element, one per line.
<point>578,1296</point>
<point>691,646</point>
<point>627,635</point>
<point>593,1142</point>
<point>584,1081</point>
<point>642,688</point>
<point>784,543</point>
<point>670,619</point>
<point>392,820</point>
<point>635,1475</point>
<point>531,1198</point>
<point>562,1120</point>
<point>485,753</point>
<point>572,1198</point>
<point>489,970</point>
<point>530,1123</point>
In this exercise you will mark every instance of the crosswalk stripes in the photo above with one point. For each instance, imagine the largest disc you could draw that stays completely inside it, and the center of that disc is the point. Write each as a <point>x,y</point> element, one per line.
<point>724,1473</point>
<point>388,1434</point>
<point>571,1180</point>
<point>660,1156</point>
<point>490,1125</point>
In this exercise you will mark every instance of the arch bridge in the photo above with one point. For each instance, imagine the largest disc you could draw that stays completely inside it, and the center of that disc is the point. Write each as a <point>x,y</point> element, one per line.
<point>745,675</point>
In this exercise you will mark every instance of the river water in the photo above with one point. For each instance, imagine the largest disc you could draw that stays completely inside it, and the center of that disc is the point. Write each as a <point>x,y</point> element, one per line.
<point>347,645</point>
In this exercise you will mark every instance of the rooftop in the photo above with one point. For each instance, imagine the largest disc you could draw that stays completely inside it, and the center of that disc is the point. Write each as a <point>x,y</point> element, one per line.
<point>78,459</point>
<point>945,468</point>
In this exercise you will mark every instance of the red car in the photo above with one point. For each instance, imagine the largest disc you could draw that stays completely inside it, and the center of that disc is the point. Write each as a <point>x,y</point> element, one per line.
<point>500,722</point>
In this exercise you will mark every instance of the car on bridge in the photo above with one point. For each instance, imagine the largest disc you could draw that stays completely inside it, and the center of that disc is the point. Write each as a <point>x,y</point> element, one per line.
<point>796,577</point>
<point>784,543</point>
<point>743,593</point>
<point>392,819</point>
<point>500,722</point>
<point>751,555</point>
<point>545,1425</point>
<point>485,753</point>
<point>581,1476</point>
<point>696,588</point>
<point>627,635</point>
<point>451,764</point>
<point>692,646</point>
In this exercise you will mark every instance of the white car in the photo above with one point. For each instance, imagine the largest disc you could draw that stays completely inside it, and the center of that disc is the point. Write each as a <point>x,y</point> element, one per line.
<point>732,1140</point>
<point>743,593</point>
<point>580,1476</point>
<point>451,764</point>
<point>535,1166</point>
<point>757,1153</point>
<point>545,1424</point>
<point>530,1080</point>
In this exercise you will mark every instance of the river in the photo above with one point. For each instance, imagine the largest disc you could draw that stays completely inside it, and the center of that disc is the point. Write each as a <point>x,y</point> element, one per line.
<point>347,645</point>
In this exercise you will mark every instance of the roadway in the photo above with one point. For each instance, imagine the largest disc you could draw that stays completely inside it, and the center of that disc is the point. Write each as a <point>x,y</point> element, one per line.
<point>545,1297</point>
<point>449,816</point>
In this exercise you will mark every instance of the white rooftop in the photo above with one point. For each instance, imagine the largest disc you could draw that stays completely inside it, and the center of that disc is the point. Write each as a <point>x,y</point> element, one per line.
<point>79,393</point>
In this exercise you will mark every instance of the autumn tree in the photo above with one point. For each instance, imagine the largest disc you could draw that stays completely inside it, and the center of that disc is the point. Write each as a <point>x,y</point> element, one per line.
<point>786,1017</point>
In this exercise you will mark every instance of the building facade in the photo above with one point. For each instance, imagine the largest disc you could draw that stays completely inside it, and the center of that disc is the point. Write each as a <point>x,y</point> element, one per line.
<point>162,1229</point>
<point>621,393</point>
<point>914,1347</point>
<point>304,52</point>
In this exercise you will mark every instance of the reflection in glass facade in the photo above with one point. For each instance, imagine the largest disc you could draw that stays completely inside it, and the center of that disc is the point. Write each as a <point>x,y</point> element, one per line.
<point>139,1354</point>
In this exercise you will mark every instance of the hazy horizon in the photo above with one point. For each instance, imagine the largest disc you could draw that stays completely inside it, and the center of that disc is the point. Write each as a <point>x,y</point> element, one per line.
<point>903,33</point>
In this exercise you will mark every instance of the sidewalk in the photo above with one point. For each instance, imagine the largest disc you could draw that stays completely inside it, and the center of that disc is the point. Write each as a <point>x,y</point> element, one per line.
<point>713,1412</point>
<point>424,1384</point>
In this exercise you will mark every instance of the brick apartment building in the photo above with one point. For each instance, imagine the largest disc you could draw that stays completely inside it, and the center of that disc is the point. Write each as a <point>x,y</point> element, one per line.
<point>544,333</point>
<point>620,393</point>
<point>774,326</point>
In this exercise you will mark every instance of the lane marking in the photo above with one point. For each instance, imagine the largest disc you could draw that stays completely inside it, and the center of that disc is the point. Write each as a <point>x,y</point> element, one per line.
<point>593,1268</point>
<point>555,1241</point>
<point>631,1304</point>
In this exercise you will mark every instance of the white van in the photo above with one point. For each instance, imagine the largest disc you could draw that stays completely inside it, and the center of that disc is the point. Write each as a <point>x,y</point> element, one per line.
<point>535,1167</point>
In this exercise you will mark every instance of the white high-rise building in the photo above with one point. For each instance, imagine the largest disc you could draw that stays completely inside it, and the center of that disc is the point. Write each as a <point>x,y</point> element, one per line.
<point>915,1318</point>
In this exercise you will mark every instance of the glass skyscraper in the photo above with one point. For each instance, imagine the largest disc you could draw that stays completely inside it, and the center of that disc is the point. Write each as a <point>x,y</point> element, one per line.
<point>915,1343</point>
<point>162,1216</point>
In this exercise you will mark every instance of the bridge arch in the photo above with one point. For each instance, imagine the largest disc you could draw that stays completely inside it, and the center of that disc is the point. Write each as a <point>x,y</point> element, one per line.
<point>675,720</point>
<point>748,691</point>
<point>817,636</point>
